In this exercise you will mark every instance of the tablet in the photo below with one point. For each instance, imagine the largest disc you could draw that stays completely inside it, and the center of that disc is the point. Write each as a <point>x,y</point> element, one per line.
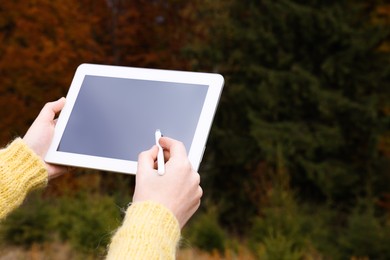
<point>112,112</point>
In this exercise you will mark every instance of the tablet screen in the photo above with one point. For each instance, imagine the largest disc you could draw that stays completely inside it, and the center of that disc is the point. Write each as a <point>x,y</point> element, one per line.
<point>117,117</point>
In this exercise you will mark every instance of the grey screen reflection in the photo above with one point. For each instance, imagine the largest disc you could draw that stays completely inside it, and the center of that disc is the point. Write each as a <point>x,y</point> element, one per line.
<point>117,118</point>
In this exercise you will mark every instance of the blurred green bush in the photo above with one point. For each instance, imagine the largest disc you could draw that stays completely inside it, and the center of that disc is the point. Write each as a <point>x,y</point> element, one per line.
<point>86,222</point>
<point>285,228</point>
<point>206,233</point>
<point>28,224</point>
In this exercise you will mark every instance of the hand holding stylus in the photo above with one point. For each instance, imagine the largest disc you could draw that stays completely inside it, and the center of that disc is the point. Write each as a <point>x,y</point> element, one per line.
<point>178,189</point>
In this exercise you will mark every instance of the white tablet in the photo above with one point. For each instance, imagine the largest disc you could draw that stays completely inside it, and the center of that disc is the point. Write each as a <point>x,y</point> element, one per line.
<point>112,113</point>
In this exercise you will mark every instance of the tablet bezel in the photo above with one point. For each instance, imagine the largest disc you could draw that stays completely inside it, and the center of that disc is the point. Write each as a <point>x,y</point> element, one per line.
<point>214,82</point>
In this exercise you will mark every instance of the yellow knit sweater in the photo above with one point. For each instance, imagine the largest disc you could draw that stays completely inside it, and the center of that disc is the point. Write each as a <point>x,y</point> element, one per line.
<point>149,230</point>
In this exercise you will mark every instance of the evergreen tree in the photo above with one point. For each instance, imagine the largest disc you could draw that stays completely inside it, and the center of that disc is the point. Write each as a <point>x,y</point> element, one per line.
<point>304,78</point>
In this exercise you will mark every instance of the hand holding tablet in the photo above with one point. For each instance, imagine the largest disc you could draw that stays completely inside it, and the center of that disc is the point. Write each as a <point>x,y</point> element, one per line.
<point>112,113</point>
<point>40,134</point>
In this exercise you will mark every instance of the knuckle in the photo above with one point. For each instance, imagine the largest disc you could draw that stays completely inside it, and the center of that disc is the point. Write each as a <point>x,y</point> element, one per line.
<point>200,192</point>
<point>197,178</point>
<point>179,143</point>
<point>141,155</point>
<point>48,104</point>
<point>46,107</point>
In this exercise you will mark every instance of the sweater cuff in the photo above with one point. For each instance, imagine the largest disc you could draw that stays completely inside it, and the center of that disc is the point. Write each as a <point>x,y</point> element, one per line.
<point>21,171</point>
<point>154,217</point>
<point>149,231</point>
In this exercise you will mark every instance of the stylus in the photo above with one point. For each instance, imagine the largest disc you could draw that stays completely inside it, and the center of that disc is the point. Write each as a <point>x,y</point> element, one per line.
<point>160,155</point>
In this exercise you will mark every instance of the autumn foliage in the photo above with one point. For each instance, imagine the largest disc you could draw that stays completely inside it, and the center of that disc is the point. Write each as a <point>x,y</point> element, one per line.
<point>42,43</point>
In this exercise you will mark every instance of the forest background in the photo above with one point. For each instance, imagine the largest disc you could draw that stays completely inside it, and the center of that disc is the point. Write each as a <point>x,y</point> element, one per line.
<point>297,162</point>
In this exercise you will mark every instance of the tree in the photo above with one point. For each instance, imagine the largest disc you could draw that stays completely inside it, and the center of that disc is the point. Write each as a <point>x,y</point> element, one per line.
<point>41,48</point>
<point>305,79</point>
<point>142,33</point>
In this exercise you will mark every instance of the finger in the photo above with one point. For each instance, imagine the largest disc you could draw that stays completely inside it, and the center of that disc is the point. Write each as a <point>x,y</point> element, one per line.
<point>58,105</point>
<point>200,192</point>
<point>147,158</point>
<point>51,109</point>
<point>174,147</point>
<point>197,176</point>
<point>167,155</point>
<point>56,170</point>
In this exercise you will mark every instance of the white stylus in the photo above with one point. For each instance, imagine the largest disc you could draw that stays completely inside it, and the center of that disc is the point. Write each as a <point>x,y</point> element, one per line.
<point>160,155</point>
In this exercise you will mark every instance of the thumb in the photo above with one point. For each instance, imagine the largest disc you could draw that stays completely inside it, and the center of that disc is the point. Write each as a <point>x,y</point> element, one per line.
<point>50,110</point>
<point>58,105</point>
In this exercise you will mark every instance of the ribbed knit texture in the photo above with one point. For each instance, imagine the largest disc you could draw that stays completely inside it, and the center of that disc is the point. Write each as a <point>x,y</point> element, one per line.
<point>149,231</point>
<point>21,171</point>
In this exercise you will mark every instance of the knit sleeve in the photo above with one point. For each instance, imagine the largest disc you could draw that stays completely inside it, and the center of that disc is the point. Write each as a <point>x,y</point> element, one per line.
<point>21,171</point>
<point>149,231</point>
